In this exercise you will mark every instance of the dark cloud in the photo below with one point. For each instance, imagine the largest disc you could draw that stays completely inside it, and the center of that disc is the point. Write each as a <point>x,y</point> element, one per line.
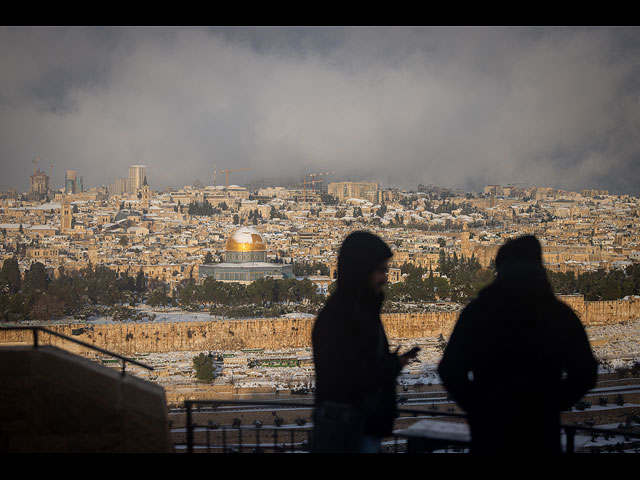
<point>452,106</point>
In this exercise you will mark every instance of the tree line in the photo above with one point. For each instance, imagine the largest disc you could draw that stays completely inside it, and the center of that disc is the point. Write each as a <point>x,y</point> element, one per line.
<point>86,292</point>
<point>206,209</point>
<point>460,280</point>
<point>598,285</point>
<point>75,294</point>
<point>99,290</point>
<point>465,277</point>
<point>262,292</point>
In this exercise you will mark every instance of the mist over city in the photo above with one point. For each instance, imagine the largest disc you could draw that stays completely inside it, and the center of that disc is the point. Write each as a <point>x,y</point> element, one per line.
<point>458,107</point>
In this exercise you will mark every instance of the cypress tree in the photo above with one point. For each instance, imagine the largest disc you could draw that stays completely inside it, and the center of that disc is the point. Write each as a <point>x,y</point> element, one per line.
<point>11,274</point>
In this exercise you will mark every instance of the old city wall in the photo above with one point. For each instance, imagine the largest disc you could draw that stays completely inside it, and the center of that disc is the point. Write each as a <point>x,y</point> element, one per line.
<point>129,338</point>
<point>277,333</point>
<point>614,311</point>
<point>267,333</point>
<point>596,313</point>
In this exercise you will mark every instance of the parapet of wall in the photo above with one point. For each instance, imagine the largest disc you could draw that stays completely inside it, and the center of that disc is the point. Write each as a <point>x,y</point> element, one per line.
<point>278,333</point>
<point>54,401</point>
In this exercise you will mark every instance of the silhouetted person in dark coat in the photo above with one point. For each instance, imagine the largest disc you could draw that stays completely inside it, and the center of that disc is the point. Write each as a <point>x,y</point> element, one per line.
<point>517,357</point>
<point>353,364</point>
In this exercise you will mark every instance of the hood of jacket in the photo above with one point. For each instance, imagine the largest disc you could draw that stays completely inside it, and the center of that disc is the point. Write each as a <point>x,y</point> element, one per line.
<point>519,279</point>
<point>361,253</point>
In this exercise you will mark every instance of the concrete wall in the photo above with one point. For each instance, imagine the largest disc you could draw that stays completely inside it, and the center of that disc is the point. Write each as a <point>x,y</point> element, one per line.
<point>278,333</point>
<point>54,401</point>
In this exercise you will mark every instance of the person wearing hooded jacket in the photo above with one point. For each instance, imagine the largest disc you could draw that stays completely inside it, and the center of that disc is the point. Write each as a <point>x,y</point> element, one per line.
<point>353,364</point>
<point>517,357</point>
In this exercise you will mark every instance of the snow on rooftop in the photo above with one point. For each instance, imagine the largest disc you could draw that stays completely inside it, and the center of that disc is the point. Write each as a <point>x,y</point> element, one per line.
<point>42,227</point>
<point>45,206</point>
<point>14,225</point>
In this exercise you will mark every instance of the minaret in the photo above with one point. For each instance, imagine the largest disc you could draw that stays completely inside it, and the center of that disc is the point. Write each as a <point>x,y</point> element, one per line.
<point>66,216</point>
<point>146,196</point>
<point>464,245</point>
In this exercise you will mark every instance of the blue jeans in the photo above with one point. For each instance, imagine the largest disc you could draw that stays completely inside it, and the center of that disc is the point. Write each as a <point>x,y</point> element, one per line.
<point>370,444</point>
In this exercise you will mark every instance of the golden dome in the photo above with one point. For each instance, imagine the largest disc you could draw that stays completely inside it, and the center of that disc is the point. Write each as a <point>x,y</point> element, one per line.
<point>246,239</point>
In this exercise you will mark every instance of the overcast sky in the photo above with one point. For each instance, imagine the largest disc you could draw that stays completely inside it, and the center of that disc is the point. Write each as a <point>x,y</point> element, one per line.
<point>458,107</point>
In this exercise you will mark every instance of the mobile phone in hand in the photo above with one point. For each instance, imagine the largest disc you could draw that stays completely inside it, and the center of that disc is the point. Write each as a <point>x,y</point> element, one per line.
<point>413,352</point>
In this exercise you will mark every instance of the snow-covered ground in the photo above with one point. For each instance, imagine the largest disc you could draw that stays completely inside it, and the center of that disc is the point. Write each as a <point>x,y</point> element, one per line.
<point>161,315</point>
<point>621,343</point>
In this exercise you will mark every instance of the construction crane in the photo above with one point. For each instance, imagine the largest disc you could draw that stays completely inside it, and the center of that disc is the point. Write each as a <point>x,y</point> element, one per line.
<point>305,183</point>
<point>314,175</point>
<point>227,172</point>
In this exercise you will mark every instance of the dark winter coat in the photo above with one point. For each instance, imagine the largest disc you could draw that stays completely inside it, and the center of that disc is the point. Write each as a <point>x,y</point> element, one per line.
<point>517,357</point>
<point>350,349</point>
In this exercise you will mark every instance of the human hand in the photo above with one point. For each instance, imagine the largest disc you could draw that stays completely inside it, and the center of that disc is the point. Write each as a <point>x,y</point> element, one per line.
<point>406,357</point>
<point>403,359</point>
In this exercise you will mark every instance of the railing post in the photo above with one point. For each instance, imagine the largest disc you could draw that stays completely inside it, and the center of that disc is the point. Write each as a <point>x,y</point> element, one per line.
<point>224,439</point>
<point>571,432</point>
<point>258,439</point>
<point>189,427</point>
<point>35,337</point>
<point>124,364</point>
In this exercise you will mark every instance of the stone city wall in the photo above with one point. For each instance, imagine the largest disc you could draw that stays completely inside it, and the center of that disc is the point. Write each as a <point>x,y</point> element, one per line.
<point>595,313</point>
<point>276,333</point>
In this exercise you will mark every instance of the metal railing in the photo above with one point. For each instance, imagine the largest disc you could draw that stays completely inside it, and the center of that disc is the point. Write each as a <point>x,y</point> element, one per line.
<point>37,329</point>
<point>229,439</point>
<point>572,429</point>
<point>240,438</point>
<point>233,439</point>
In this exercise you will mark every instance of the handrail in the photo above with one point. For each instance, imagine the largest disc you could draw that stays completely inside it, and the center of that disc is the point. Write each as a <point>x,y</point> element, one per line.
<point>190,403</point>
<point>570,429</point>
<point>607,431</point>
<point>248,402</point>
<point>434,413</point>
<point>36,329</point>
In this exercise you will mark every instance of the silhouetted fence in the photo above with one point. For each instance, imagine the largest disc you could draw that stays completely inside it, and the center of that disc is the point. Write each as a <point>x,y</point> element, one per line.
<point>35,330</point>
<point>260,438</point>
<point>297,437</point>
